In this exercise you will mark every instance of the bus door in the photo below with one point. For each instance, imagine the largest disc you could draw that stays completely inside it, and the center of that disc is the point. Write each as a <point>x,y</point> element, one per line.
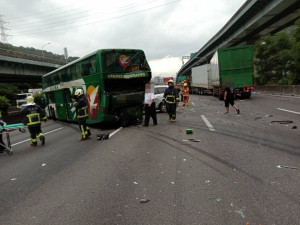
<point>68,103</point>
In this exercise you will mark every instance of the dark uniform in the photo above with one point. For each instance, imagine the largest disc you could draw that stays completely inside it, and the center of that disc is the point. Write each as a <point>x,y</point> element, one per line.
<point>229,97</point>
<point>34,114</point>
<point>82,115</point>
<point>171,98</point>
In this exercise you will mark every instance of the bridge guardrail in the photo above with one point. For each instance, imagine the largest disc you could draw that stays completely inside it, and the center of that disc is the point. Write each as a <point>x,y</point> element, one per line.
<point>23,55</point>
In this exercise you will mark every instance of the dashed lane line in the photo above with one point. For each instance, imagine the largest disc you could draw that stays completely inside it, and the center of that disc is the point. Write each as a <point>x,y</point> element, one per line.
<point>116,131</point>
<point>29,139</point>
<point>288,111</point>
<point>208,124</point>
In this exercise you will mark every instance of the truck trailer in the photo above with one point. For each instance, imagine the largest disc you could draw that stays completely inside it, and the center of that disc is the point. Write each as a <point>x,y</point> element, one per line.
<point>201,80</point>
<point>232,67</point>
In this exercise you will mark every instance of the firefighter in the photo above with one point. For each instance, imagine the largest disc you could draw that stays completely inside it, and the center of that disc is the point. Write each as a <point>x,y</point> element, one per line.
<point>82,113</point>
<point>172,99</point>
<point>34,114</point>
<point>186,93</point>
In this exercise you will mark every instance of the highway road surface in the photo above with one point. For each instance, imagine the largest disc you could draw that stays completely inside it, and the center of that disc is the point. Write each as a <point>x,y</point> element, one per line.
<point>234,169</point>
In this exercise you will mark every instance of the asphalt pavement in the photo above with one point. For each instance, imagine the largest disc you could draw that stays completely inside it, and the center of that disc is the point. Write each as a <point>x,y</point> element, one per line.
<point>234,169</point>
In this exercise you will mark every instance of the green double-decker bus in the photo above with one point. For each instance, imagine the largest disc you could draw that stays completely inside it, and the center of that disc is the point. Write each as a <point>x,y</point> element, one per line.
<point>112,79</point>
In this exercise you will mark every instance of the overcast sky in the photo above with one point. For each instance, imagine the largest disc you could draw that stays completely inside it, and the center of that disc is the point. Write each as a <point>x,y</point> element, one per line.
<point>165,29</point>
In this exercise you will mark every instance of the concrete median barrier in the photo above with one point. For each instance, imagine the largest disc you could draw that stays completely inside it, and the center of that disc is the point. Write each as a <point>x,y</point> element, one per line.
<point>293,90</point>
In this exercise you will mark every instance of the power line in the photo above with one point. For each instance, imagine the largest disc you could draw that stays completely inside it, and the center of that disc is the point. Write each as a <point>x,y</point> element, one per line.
<point>81,18</point>
<point>46,30</point>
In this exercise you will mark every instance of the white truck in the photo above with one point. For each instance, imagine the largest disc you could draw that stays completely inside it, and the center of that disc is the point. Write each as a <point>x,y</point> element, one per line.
<point>21,98</point>
<point>201,80</point>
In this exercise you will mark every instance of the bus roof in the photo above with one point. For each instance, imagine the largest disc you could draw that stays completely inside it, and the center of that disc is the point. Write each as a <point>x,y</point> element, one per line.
<point>93,53</point>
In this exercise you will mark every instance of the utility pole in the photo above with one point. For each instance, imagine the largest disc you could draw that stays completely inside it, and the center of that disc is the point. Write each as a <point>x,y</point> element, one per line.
<point>2,31</point>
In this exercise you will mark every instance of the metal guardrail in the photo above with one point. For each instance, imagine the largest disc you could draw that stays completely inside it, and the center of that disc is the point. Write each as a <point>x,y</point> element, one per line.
<point>23,55</point>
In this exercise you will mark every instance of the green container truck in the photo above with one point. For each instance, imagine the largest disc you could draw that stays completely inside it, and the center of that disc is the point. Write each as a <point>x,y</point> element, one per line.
<point>232,67</point>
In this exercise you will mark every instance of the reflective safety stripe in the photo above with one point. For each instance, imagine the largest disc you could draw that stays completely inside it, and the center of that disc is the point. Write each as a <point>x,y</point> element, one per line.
<point>40,134</point>
<point>33,118</point>
<point>33,140</point>
<point>83,112</point>
<point>82,131</point>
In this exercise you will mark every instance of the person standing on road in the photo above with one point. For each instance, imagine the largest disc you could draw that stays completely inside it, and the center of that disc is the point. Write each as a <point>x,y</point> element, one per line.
<point>149,105</point>
<point>34,114</point>
<point>186,93</point>
<point>229,98</point>
<point>82,113</point>
<point>2,145</point>
<point>171,98</point>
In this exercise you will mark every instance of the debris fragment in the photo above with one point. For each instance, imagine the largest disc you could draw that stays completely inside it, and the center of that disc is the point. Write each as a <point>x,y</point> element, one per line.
<point>217,199</point>
<point>102,136</point>
<point>269,115</point>
<point>287,167</point>
<point>283,122</point>
<point>172,182</point>
<point>193,140</point>
<point>207,181</point>
<point>13,178</point>
<point>44,164</point>
<point>294,127</point>
<point>135,182</point>
<point>240,212</point>
<point>189,131</point>
<point>257,118</point>
<point>144,200</point>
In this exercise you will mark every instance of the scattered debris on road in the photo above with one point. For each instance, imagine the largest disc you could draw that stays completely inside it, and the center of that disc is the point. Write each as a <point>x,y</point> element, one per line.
<point>189,131</point>
<point>217,199</point>
<point>294,127</point>
<point>287,167</point>
<point>257,118</point>
<point>144,200</point>
<point>240,212</point>
<point>44,164</point>
<point>269,115</point>
<point>192,140</point>
<point>102,136</point>
<point>283,121</point>
<point>13,179</point>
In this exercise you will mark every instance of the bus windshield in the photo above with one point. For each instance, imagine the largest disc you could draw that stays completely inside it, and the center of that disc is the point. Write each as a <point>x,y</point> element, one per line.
<point>124,62</point>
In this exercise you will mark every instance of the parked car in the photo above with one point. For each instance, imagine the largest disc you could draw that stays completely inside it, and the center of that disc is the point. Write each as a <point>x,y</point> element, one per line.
<point>159,91</point>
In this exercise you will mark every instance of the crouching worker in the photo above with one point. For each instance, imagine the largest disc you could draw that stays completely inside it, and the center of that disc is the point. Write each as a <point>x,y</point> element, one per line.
<point>34,114</point>
<point>82,113</point>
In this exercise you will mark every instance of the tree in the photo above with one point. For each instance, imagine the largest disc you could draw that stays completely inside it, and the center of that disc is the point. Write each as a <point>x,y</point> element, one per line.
<point>9,91</point>
<point>4,104</point>
<point>277,57</point>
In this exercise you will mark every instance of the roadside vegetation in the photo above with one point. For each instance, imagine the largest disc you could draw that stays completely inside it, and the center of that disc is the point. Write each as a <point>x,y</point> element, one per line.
<point>277,57</point>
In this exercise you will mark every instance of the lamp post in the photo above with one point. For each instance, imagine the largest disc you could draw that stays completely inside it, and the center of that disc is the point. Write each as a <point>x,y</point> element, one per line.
<point>43,47</point>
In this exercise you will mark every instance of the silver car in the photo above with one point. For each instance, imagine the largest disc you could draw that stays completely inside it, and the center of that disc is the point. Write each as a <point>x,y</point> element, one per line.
<point>159,91</point>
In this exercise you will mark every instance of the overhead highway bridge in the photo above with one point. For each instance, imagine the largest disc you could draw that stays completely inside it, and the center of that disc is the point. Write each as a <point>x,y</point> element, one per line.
<point>254,19</point>
<point>17,67</point>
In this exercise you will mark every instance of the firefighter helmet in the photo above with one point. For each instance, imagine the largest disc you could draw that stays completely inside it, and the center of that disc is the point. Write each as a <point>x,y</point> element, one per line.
<point>78,92</point>
<point>185,84</point>
<point>30,99</point>
<point>171,81</point>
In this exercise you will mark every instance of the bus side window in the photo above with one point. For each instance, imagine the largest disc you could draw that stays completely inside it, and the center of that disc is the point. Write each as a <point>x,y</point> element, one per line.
<point>89,66</point>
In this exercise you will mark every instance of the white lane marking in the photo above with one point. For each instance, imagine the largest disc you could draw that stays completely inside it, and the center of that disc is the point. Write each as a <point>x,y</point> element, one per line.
<point>193,103</point>
<point>116,131</point>
<point>208,124</point>
<point>288,111</point>
<point>29,139</point>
